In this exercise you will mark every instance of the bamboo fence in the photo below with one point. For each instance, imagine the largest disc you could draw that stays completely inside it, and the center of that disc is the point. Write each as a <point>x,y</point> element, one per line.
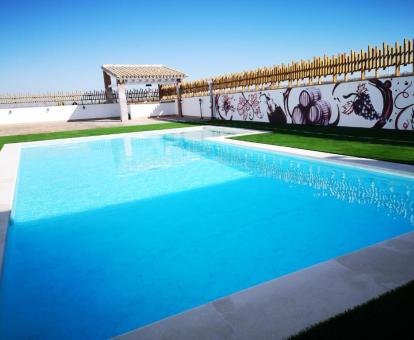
<point>316,70</point>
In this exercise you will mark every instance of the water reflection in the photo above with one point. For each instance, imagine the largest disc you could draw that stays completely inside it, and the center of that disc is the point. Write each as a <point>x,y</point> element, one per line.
<point>132,155</point>
<point>392,194</point>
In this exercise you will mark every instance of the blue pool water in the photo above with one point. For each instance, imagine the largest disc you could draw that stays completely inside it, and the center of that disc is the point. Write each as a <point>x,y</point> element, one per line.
<point>113,234</point>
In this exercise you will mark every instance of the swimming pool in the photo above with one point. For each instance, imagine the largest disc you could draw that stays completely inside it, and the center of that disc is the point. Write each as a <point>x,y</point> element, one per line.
<point>112,234</point>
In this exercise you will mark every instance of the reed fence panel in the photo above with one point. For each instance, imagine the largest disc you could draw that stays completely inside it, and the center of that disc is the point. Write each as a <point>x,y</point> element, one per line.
<point>314,70</point>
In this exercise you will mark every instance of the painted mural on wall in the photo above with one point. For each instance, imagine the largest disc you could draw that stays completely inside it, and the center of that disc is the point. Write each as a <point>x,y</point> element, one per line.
<point>374,103</point>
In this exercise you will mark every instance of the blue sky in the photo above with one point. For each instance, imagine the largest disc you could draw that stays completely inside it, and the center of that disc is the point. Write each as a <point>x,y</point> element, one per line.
<point>59,46</point>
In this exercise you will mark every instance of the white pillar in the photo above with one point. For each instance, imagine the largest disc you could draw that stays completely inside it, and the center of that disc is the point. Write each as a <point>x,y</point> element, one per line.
<point>123,106</point>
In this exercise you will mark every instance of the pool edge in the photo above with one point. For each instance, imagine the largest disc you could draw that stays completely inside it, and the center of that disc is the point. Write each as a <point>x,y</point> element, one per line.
<point>369,164</point>
<point>9,165</point>
<point>284,306</point>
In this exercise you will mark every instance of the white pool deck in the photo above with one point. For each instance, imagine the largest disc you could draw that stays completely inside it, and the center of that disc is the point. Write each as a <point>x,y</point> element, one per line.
<point>278,308</point>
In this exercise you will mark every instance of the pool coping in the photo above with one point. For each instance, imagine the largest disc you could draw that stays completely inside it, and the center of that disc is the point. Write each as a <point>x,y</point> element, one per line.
<point>302,298</point>
<point>399,169</point>
<point>282,307</point>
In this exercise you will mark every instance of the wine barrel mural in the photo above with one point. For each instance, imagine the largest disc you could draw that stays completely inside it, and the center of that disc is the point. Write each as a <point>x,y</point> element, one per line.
<point>309,96</point>
<point>373,103</point>
<point>298,117</point>
<point>319,113</point>
<point>311,109</point>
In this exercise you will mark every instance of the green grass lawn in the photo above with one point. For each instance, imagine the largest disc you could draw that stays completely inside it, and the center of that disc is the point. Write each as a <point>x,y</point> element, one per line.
<point>391,316</point>
<point>385,152</point>
<point>88,132</point>
<point>386,145</point>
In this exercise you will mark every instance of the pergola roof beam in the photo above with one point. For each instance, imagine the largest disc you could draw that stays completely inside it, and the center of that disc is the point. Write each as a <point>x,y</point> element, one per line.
<point>143,73</point>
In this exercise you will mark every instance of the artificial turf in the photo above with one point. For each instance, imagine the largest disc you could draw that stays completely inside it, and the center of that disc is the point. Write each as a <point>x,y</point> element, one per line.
<point>88,132</point>
<point>386,145</point>
<point>385,152</point>
<point>390,316</point>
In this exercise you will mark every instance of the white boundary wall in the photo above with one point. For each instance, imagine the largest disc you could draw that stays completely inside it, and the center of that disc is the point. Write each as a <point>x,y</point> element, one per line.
<point>152,109</point>
<point>65,113</point>
<point>57,113</point>
<point>191,107</point>
<point>386,103</point>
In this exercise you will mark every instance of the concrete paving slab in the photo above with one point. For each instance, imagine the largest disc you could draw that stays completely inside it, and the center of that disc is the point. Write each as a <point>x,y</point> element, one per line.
<point>389,264</point>
<point>29,128</point>
<point>273,310</point>
<point>9,162</point>
<point>203,323</point>
<point>409,237</point>
<point>6,193</point>
<point>4,223</point>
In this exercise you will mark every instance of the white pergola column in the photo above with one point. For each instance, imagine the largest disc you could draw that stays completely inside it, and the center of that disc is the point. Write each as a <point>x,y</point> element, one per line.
<point>122,100</point>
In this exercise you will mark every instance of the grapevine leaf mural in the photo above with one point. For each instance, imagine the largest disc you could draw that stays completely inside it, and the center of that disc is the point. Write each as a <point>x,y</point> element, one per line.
<point>248,107</point>
<point>251,106</point>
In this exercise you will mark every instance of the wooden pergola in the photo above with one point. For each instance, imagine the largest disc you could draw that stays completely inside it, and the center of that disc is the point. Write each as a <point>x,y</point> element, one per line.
<point>138,74</point>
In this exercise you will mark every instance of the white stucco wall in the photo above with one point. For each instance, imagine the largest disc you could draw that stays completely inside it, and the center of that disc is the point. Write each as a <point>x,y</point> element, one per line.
<point>152,110</point>
<point>76,112</point>
<point>191,107</point>
<point>167,108</point>
<point>57,113</point>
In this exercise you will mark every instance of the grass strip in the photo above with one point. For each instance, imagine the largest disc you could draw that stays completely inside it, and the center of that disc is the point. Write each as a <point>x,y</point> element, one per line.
<point>89,132</point>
